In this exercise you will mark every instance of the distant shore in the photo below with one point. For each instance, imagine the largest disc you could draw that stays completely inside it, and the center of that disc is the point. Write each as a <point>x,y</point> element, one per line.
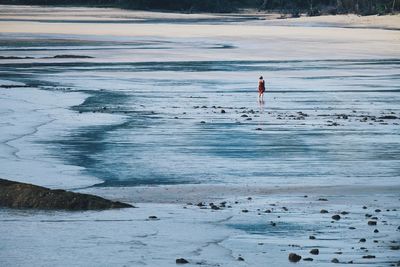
<point>14,14</point>
<point>294,8</point>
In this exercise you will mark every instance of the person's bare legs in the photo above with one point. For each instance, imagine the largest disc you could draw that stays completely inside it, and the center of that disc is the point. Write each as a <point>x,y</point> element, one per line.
<point>261,97</point>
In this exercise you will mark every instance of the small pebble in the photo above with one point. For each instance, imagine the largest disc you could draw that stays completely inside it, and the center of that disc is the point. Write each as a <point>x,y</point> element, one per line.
<point>369,257</point>
<point>293,257</point>
<point>181,261</point>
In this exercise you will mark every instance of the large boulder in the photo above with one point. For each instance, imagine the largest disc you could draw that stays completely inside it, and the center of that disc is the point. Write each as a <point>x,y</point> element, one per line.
<point>21,195</point>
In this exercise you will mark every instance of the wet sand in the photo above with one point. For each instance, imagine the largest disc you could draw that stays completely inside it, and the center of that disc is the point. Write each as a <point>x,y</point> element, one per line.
<point>234,183</point>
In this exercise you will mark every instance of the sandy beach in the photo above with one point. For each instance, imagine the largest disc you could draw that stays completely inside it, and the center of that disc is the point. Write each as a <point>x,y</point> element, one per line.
<point>160,110</point>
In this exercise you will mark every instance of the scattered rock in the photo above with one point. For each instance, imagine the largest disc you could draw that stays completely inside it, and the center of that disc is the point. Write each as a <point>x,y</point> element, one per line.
<point>377,210</point>
<point>258,129</point>
<point>181,261</point>
<point>369,257</point>
<point>153,217</point>
<point>28,196</point>
<point>71,56</point>
<point>324,211</point>
<point>344,212</point>
<point>308,259</point>
<point>223,111</point>
<point>245,211</point>
<point>293,257</point>
<point>215,207</point>
<point>240,259</point>
<point>376,231</point>
<point>372,222</point>
<point>314,251</point>
<point>352,228</point>
<point>312,237</point>
<point>322,199</point>
<point>388,117</point>
<point>362,240</point>
<point>335,260</point>
<point>336,217</point>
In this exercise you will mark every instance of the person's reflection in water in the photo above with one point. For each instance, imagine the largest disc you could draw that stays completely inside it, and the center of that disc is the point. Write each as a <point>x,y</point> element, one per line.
<point>261,103</point>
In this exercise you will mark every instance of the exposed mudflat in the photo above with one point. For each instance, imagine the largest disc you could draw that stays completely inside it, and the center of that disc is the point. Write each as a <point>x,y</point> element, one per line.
<point>160,111</point>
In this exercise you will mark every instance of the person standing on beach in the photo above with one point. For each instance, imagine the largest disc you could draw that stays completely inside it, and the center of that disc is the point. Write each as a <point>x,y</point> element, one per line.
<point>261,89</point>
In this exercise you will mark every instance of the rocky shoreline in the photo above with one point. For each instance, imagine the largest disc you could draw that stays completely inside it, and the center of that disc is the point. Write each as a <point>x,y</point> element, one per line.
<point>27,196</point>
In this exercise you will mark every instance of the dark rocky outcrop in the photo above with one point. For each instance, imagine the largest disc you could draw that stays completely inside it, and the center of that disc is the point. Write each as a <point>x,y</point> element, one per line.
<point>20,195</point>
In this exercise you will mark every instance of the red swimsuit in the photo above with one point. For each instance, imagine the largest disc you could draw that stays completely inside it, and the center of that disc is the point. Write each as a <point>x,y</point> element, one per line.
<point>261,86</point>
